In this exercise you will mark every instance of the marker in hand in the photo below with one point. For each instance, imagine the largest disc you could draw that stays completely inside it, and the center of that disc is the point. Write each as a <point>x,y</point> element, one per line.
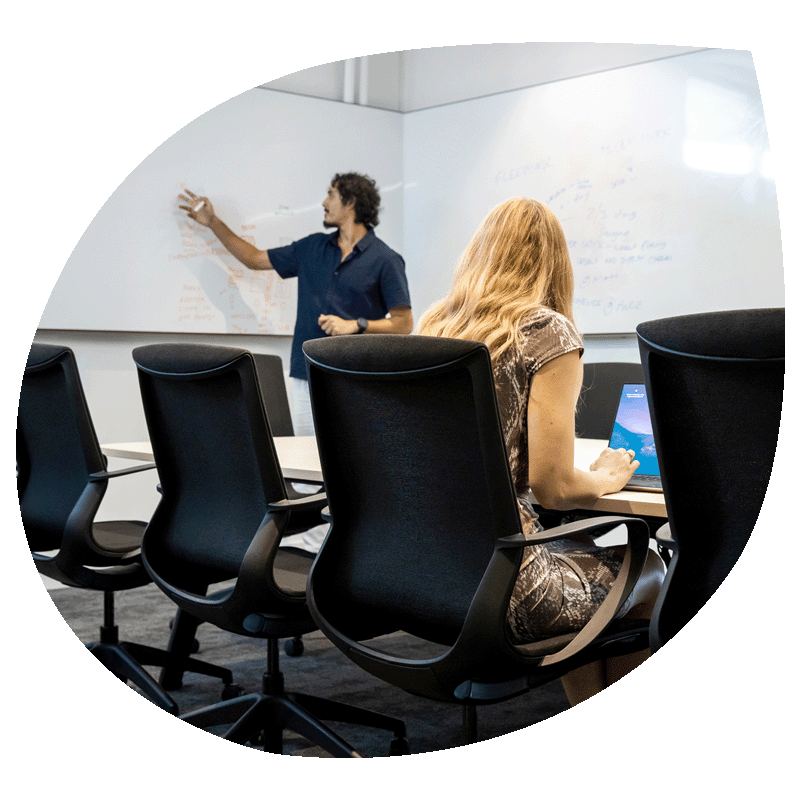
<point>194,205</point>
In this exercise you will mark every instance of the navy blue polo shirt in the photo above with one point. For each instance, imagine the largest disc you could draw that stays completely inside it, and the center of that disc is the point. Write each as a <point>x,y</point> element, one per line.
<point>370,281</point>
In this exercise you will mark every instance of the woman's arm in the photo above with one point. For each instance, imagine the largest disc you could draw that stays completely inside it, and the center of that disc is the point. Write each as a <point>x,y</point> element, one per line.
<point>554,480</point>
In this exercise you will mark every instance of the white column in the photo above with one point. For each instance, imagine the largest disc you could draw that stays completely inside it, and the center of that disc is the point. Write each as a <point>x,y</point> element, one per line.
<point>349,89</point>
<point>363,79</point>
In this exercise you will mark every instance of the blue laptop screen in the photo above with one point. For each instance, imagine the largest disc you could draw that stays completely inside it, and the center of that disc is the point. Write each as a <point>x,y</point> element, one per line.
<point>633,429</point>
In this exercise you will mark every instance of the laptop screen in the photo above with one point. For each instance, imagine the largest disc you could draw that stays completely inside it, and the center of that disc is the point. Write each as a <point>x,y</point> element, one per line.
<point>633,429</point>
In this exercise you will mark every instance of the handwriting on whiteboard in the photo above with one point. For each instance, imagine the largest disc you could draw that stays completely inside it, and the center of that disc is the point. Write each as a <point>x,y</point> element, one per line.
<point>239,300</point>
<point>523,171</point>
<point>613,237</point>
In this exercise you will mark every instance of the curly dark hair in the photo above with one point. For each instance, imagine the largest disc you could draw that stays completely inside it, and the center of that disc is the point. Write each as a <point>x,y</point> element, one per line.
<point>361,188</point>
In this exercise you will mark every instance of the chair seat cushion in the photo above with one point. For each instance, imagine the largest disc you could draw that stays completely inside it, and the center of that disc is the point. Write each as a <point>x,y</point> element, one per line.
<point>120,536</point>
<point>291,568</point>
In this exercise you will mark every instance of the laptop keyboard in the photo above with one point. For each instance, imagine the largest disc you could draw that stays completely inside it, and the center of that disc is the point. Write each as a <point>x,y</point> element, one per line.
<point>650,481</point>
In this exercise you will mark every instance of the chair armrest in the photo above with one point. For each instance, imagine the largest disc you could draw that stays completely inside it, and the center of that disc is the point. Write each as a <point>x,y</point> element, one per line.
<point>663,537</point>
<point>485,614</point>
<point>105,474</point>
<point>560,532</point>
<point>300,502</point>
<point>255,576</point>
<point>636,551</point>
<point>78,548</point>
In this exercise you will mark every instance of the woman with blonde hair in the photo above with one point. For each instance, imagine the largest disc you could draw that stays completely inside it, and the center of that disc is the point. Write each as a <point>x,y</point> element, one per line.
<point>513,290</point>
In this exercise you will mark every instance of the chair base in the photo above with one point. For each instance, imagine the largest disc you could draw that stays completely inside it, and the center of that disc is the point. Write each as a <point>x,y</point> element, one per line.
<point>181,643</point>
<point>119,659</point>
<point>469,724</point>
<point>264,716</point>
<point>125,660</point>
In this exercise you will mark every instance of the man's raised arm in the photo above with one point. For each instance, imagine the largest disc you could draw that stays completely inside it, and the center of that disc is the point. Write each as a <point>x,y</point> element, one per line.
<point>200,210</point>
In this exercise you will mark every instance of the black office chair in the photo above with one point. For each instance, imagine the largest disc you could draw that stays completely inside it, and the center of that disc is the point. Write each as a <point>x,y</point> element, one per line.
<point>269,369</point>
<point>597,405</point>
<point>62,479</point>
<point>715,388</point>
<point>221,516</point>
<point>426,535</point>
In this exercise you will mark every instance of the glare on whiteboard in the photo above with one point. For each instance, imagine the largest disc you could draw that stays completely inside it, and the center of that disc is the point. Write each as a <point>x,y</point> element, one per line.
<point>732,159</point>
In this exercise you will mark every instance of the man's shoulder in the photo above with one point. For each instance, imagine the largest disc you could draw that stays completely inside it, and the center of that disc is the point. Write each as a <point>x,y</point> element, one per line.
<point>381,249</point>
<point>311,240</point>
<point>317,239</point>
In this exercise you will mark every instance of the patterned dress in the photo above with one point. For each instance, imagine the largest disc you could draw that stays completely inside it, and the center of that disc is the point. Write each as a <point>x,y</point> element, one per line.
<point>560,584</point>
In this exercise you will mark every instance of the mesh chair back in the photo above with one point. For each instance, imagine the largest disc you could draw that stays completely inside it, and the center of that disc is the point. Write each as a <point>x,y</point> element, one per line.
<point>215,457</point>
<point>715,387</point>
<point>417,481</point>
<point>602,385</point>
<point>269,369</point>
<point>57,447</point>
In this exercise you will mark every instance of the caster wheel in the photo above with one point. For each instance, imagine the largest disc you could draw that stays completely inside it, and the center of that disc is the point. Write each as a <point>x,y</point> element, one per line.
<point>294,647</point>
<point>257,739</point>
<point>231,690</point>
<point>399,747</point>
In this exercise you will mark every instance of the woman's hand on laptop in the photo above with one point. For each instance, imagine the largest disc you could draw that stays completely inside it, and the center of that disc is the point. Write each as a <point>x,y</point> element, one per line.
<point>617,466</point>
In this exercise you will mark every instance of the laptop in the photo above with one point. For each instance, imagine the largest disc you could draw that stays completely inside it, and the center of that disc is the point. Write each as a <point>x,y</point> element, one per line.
<point>633,430</point>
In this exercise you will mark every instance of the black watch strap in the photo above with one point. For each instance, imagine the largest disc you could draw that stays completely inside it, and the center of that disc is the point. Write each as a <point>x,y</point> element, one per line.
<point>362,324</point>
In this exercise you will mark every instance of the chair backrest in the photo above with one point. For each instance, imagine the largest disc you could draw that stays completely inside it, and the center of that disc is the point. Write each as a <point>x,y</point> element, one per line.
<point>215,457</point>
<point>269,369</point>
<point>57,447</point>
<point>715,388</point>
<point>417,480</point>
<point>602,385</point>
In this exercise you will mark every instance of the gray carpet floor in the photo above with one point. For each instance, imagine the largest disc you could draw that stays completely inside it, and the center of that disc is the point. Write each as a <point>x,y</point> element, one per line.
<point>143,616</point>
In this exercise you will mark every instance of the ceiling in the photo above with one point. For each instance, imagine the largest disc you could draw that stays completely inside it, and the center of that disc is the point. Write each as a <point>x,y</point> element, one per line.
<point>412,80</point>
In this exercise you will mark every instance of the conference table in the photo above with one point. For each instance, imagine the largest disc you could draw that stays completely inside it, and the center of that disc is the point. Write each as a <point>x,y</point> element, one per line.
<point>299,460</point>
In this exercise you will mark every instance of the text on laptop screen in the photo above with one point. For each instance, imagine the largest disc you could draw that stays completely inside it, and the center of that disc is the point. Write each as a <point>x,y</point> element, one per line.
<point>633,429</point>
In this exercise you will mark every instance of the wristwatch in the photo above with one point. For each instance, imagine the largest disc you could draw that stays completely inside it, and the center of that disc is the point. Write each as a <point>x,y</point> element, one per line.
<point>362,324</point>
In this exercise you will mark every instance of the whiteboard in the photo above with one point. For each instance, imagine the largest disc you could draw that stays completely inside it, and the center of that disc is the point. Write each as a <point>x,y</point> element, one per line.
<point>659,173</point>
<point>265,159</point>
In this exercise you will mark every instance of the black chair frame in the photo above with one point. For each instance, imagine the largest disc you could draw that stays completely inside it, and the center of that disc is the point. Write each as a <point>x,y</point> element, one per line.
<point>255,604</point>
<point>480,664</point>
<point>82,553</point>
<point>715,389</point>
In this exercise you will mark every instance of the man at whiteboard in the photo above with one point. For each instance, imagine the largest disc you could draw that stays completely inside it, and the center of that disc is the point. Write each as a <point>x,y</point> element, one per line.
<point>349,281</point>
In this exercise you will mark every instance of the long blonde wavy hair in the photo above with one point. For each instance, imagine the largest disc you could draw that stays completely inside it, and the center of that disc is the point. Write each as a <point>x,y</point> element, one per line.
<point>516,262</point>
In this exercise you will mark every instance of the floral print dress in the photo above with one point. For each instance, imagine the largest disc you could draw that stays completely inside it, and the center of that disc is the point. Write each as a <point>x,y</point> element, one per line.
<point>560,584</point>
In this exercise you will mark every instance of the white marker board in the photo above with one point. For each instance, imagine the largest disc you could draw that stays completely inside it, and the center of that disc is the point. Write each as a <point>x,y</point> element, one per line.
<point>658,172</point>
<point>265,159</point>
